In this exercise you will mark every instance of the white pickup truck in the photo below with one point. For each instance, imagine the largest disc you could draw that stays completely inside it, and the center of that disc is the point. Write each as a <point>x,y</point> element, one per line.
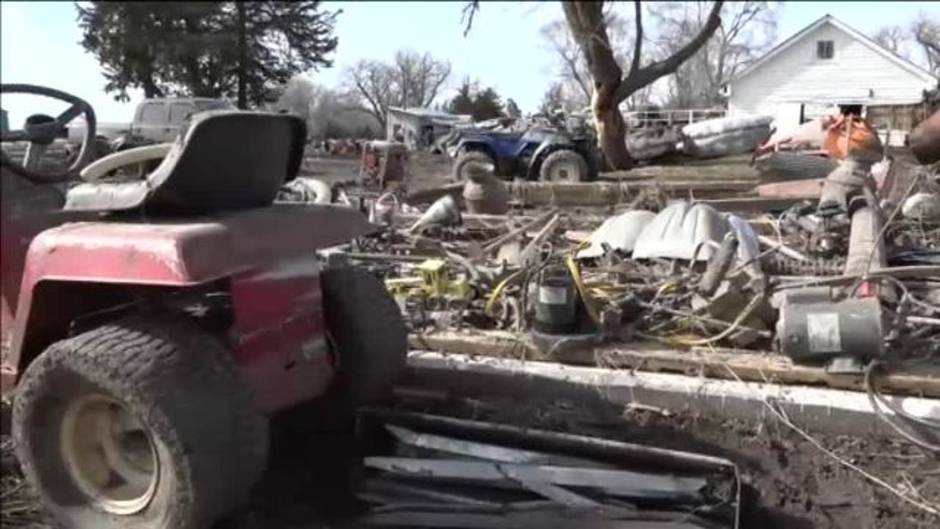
<point>155,120</point>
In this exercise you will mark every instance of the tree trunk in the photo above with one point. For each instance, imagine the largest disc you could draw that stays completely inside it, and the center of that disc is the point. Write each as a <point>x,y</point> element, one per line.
<point>586,21</point>
<point>242,57</point>
<point>150,89</point>
<point>611,130</point>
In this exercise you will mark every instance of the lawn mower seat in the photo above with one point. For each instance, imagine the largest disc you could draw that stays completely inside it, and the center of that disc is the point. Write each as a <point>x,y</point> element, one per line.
<point>224,160</point>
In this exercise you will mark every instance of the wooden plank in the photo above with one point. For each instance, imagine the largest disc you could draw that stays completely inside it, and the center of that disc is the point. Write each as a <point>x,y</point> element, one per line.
<point>907,379</point>
<point>751,204</point>
<point>601,193</point>
<point>610,193</point>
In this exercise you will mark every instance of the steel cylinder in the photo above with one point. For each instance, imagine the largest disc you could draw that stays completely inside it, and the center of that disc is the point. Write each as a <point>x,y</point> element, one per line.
<point>813,328</point>
<point>555,301</point>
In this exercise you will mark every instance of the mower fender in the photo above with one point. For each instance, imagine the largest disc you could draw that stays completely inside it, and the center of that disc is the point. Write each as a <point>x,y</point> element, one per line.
<point>50,310</point>
<point>82,267</point>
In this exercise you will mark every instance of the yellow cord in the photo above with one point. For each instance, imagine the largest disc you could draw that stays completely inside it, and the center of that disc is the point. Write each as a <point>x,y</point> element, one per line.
<point>579,284</point>
<point>498,292</point>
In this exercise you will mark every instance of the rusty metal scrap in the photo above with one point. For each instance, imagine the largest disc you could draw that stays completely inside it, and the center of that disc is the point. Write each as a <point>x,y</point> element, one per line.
<point>447,472</point>
<point>676,301</point>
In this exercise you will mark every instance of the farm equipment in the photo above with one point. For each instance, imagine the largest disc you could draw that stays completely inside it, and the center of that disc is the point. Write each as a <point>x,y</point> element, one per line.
<point>538,153</point>
<point>385,162</point>
<point>151,327</point>
<point>433,283</point>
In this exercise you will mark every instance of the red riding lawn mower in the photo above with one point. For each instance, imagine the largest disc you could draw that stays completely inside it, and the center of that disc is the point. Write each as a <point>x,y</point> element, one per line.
<point>151,327</point>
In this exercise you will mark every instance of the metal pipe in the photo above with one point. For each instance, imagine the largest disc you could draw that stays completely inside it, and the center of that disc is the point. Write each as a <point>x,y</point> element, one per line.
<point>865,249</point>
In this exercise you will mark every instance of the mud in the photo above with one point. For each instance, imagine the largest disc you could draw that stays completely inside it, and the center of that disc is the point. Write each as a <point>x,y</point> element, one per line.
<point>789,483</point>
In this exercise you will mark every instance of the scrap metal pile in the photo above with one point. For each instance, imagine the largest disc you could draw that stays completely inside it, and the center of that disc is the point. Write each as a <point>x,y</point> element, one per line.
<point>679,272</point>
<point>434,471</point>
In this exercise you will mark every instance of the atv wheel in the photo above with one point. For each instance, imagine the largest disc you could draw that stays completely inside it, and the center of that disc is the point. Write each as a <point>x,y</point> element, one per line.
<point>367,330</point>
<point>466,158</point>
<point>138,425</point>
<point>564,166</point>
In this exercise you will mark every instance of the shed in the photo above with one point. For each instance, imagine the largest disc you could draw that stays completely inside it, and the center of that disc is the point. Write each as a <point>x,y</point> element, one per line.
<point>830,64</point>
<point>419,127</point>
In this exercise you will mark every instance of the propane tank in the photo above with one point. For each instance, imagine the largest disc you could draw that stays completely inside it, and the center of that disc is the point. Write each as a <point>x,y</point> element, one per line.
<point>484,192</point>
<point>555,301</point>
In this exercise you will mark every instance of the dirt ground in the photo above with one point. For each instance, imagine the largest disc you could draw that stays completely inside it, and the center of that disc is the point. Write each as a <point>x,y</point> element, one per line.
<point>425,170</point>
<point>789,484</point>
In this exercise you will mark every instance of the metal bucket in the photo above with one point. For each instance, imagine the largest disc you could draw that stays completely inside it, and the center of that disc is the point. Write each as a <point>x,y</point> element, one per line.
<point>383,209</point>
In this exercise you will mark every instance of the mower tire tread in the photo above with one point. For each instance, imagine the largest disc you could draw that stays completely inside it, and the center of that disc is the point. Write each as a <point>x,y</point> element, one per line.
<point>182,384</point>
<point>367,328</point>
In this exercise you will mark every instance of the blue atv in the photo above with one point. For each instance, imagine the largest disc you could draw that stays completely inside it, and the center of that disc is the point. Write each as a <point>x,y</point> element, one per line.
<point>539,153</point>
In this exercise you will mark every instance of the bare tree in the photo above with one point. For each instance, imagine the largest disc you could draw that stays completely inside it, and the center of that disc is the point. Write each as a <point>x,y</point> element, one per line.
<point>747,30</point>
<point>411,80</point>
<point>588,25</point>
<point>611,86</point>
<point>553,99</point>
<point>328,113</point>
<point>892,38</point>
<point>926,33</point>
<point>572,66</point>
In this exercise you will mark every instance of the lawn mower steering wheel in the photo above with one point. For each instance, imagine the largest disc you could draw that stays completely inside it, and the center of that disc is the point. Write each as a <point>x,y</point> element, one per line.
<point>41,130</point>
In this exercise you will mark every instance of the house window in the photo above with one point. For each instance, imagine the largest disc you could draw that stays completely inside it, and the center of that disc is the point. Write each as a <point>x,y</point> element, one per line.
<point>824,49</point>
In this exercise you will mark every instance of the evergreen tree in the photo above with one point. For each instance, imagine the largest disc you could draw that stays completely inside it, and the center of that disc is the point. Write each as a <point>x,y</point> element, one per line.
<point>462,103</point>
<point>241,50</point>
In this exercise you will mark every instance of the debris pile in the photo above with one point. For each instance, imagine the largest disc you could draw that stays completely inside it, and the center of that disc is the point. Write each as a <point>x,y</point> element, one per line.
<point>678,272</point>
<point>445,472</point>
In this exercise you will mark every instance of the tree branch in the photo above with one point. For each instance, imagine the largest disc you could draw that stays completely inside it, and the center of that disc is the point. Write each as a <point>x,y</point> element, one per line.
<point>654,71</point>
<point>432,93</point>
<point>638,46</point>
<point>572,63</point>
<point>586,20</point>
<point>469,11</point>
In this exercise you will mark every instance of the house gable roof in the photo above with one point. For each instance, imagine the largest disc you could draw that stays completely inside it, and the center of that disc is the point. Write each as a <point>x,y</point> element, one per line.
<point>861,37</point>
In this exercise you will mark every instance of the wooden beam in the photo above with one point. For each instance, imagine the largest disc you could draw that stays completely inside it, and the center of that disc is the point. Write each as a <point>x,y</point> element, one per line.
<point>750,366</point>
<point>751,204</point>
<point>611,193</point>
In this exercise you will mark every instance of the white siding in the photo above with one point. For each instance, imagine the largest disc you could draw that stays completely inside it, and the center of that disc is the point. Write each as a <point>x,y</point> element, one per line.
<point>856,75</point>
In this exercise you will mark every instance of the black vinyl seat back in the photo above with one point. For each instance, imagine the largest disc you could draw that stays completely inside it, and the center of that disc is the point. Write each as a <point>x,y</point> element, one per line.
<point>224,160</point>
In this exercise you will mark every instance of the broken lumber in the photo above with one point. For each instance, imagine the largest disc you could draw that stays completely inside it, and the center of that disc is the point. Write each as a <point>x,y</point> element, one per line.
<point>750,204</point>
<point>798,189</point>
<point>750,366</point>
<point>611,193</point>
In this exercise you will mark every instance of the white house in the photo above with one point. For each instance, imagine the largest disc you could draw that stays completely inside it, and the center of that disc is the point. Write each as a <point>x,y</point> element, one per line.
<point>827,64</point>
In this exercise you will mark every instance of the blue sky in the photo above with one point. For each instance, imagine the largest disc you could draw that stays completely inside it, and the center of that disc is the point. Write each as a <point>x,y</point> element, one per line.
<point>39,44</point>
